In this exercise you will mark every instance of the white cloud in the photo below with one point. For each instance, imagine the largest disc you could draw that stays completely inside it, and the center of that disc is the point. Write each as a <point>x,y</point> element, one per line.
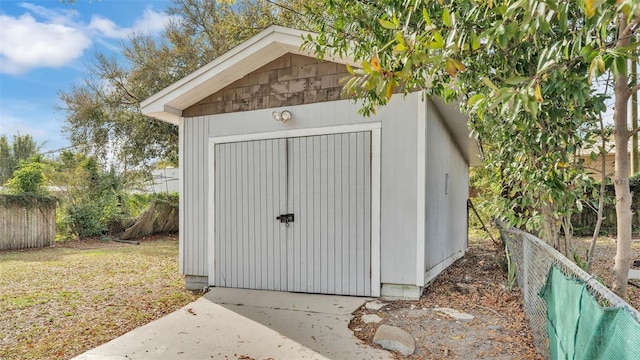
<point>151,22</point>
<point>50,37</point>
<point>26,44</point>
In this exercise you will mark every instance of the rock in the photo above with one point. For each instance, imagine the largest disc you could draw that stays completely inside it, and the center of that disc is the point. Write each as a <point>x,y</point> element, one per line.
<point>395,339</point>
<point>371,318</point>
<point>374,305</point>
<point>634,274</point>
<point>465,288</point>
<point>455,314</point>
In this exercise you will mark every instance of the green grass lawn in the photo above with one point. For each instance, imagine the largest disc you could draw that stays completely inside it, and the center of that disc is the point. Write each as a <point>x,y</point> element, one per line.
<point>59,302</point>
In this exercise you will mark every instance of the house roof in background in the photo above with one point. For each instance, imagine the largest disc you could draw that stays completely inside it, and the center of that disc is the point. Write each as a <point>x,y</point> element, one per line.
<point>609,147</point>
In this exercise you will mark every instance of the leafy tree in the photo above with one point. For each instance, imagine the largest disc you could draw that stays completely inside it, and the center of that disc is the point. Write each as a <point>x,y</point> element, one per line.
<point>93,199</point>
<point>6,159</point>
<point>22,147</point>
<point>523,70</point>
<point>28,179</point>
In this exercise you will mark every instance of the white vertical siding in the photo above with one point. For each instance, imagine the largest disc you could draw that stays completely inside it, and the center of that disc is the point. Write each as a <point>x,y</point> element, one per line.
<point>194,214</point>
<point>398,221</point>
<point>398,191</point>
<point>446,204</point>
<point>325,181</point>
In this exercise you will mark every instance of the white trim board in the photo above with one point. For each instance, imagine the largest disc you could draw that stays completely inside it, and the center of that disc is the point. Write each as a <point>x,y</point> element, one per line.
<point>421,192</point>
<point>211,251</point>
<point>374,128</point>
<point>181,199</point>
<point>281,134</point>
<point>436,270</point>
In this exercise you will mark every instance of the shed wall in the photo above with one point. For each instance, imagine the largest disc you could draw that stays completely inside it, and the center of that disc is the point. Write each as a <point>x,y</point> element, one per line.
<point>193,197</point>
<point>446,195</point>
<point>398,193</point>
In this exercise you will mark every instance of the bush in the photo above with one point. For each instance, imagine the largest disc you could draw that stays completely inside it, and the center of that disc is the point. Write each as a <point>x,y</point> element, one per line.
<point>83,220</point>
<point>28,179</point>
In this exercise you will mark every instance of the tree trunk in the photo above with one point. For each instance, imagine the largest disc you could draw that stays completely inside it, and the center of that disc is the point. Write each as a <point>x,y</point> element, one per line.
<point>621,177</point>
<point>568,235</point>
<point>603,189</point>
<point>550,228</point>
<point>634,119</point>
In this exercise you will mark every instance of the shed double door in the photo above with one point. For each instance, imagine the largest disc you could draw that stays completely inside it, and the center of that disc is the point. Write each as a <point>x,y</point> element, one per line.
<point>294,214</point>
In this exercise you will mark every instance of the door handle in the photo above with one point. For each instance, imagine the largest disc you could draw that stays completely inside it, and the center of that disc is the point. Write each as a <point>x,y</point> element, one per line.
<point>285,218</point>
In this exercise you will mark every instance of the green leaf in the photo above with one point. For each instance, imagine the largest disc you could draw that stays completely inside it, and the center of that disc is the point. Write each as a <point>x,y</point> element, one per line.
<point>387,24</point>
<point>600,64</point>
<point>474,99</point>
<point>400,47</point>
<point>366,67</point>
<point>426,17</point>
<point>438,42</point>
<point>389,89</point>
<point>516,80</point>
<point>621,65</point>
<point>489,83</point>
<point>586,52</point>
<point>475,41</point>
<point>533,106</point>
<point>446,17</point>
<point>564,20</point>
<point>350,69</point>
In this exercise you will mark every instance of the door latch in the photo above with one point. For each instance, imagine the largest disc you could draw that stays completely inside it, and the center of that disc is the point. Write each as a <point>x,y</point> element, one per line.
<point>285,218</point>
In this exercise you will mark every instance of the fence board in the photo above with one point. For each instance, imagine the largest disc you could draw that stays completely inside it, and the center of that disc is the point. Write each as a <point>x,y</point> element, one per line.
<point>27,225</point>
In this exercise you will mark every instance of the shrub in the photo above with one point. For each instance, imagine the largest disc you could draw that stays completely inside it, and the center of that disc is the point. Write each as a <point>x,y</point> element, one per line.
<point>83,220</point>
<point>28,179</point>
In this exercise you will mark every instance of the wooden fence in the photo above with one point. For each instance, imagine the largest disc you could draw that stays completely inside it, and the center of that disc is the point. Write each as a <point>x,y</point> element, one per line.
<point>27,221</point>
<point>583,223</point>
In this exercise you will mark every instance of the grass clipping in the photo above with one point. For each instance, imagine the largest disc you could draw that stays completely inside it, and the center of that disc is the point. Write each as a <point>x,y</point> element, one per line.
<point>160,217</point>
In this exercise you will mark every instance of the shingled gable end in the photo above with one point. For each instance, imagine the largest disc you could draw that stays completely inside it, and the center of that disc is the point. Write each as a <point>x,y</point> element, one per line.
<point>326,202</point>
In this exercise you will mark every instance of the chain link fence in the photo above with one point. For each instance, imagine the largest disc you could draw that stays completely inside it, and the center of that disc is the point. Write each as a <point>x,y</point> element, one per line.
<point>532,258</point>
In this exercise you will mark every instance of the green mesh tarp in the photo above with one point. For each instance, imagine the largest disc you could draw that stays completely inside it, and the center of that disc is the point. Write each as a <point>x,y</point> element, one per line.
<point>579,328</point>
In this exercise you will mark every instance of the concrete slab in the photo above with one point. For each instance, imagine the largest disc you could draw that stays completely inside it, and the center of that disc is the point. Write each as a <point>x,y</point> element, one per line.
<point>236,323</point>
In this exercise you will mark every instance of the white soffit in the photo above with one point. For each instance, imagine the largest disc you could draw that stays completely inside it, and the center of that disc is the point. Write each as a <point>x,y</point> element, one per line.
<point>457,123</point>
<point>261,49</point>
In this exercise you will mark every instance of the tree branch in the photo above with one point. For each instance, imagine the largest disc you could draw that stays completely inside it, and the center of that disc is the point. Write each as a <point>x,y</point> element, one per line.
<point>631,27</point>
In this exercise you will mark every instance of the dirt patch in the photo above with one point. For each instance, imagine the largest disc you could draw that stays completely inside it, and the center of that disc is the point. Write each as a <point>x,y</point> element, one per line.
<point>474,285</point>
<point>603,262</point>
<point>60,301</point>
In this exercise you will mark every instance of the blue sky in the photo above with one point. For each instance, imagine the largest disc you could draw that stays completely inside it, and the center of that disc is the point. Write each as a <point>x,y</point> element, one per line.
<point>45,47</point>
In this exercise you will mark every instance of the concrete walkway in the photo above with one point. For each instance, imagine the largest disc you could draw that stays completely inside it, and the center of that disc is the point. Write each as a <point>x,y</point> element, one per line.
<point>247,324</point>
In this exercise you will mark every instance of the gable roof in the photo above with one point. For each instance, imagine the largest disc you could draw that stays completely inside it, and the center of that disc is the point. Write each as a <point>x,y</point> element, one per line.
<point>261,49</point>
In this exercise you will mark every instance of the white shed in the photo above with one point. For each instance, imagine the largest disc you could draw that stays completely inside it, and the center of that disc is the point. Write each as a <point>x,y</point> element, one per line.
<point>327,202</point>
